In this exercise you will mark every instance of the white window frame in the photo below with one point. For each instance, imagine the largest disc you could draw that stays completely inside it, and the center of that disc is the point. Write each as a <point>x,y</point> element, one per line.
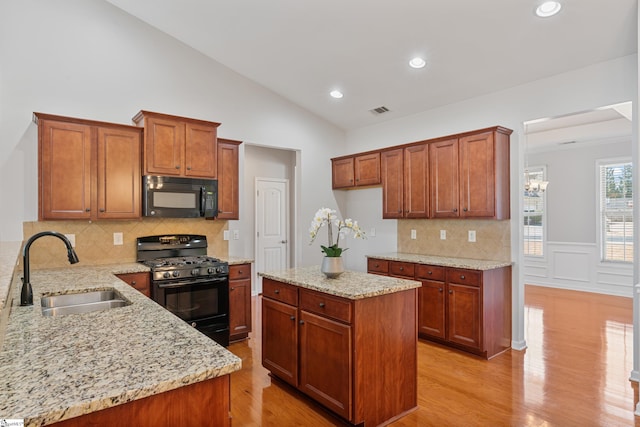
<point>543,195</point>
<point>599,210</point>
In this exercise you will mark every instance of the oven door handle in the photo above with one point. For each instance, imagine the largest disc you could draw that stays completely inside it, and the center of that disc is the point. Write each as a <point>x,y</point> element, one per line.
<point>184,284</point>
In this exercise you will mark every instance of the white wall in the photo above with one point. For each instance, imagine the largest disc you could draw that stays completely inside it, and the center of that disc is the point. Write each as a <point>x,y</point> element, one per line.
<point>571,257</point>
<point>88,59</point>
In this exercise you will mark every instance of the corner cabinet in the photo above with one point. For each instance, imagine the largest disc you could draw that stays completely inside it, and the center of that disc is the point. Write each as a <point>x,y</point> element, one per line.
<point>228,179</point>
<point>332,349</point>
<point>355,171</point>
<point>88,169</point>
<point>178,146</point>
<point>466,309</point>
<point>239,301</point>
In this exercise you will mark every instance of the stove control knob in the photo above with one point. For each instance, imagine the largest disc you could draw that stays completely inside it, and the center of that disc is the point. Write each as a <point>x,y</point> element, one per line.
<point>195,272</point>
<point>166,275</point>
<point>211,270</point>
<point>176,273</point>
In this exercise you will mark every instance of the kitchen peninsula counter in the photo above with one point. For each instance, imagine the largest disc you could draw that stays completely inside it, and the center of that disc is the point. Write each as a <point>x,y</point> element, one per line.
<point>468,263</point>
<point>350,343</point>
<point>61,367</point>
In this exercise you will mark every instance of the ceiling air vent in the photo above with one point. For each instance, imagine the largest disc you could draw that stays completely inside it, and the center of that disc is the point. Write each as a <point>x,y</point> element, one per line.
<point>379,110</point>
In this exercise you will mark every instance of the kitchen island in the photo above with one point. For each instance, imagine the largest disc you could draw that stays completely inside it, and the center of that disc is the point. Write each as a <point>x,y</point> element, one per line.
<point>350,343</point>
<point>138,364</point>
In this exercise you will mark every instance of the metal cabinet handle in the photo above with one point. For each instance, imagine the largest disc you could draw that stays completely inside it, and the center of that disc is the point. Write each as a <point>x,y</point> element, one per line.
<point>277,291</point>
<point>133,282</point>
<point>88,210</point>
<point>101,209</point>
<point>302,322</point>
<point>455,209</point>
<point>429,272</point>
<point>321,305</point>
<point>293,317</point>
<point>450,291</point>
<point>177,166</point>
<point>465,209</point>
<point>188,168</point>
<point>401,268</point>
<point>239,271</point>
<point>233,288</point>
<point>462,277</point>
<point>283,241</point>
<point>439,289</point>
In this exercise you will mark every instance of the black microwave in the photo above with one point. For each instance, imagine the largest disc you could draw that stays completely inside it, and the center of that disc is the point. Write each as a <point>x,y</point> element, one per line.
<point>172,197</point>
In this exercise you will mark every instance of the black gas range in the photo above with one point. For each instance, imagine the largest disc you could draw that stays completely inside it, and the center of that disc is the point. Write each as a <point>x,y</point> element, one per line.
<point>187,282</point>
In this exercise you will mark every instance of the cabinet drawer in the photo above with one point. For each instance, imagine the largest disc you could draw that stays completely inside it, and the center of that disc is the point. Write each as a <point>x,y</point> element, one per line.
<point>326,305</point>
<point>280,291</point>
<point>402,269</point>
<point>467,277</point>
<point>138,281</point>
<point>239,271</point>
<point>430,272</point>
<point>377,266</point>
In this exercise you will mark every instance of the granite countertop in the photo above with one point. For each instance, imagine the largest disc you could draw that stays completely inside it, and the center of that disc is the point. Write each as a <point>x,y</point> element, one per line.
<point>350,284</point>
<point>238,260</point>
<point>55,368</point>
<point>472,264</point>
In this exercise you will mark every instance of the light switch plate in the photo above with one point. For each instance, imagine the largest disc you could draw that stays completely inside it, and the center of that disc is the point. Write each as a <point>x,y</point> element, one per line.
<point>472,235</point>
<point>225,235</point>
<point>443,234</point>
<point>236,234</point>
<point>413,235</point>
<point>372,233</point>
<point>72,239</point>
<point>118,239</point>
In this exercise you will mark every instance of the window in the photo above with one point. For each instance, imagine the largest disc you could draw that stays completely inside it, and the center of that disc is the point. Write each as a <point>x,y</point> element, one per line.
<point>534,206</point>
<point>616,210</point>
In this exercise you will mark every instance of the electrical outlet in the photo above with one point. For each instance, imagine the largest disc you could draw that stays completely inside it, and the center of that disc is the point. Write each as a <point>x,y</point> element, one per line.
<point>236,234</point>
<point>443,234</point>
<point>372,233</point>
<point>72,239</point>
<point>118,239</point>
<point>225,235</point>
<point>413,235</point>
<point>472,235</point>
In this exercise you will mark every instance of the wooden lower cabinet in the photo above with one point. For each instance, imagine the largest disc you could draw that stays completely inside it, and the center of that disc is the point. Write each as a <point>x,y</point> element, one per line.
<point>239,301</point>
<point>139,281</point>
<point>357,358</point>
<point>205,404</point>
<point>466,309</point>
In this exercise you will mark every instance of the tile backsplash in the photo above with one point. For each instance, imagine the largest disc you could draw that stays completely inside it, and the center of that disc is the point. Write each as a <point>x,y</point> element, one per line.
<point>94,240</point>
<point>493,238</point>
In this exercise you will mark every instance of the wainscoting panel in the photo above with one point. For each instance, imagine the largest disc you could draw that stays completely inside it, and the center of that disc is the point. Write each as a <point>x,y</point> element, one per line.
<point>577,266</point>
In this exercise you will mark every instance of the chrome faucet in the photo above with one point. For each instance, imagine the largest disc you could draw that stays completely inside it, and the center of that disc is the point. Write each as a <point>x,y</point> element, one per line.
<point>26,294</point>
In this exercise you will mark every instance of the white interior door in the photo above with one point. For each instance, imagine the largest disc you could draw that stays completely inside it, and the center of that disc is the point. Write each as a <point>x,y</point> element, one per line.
<point>272,219</point>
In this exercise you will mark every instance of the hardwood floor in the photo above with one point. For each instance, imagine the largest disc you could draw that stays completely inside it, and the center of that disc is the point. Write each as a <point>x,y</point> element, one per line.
<point>574,373</point>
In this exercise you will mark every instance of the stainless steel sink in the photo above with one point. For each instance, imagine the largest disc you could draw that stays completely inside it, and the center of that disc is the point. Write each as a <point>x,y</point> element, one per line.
<point>82,302</point>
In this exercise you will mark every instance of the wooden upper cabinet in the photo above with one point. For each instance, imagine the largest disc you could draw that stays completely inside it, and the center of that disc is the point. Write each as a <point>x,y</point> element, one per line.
<point>228,170</point>
<point>416,181</point>
<point>443,162</point>
<point>178,146</point>
<point>87,169</point>
<point>356,171</point>
<point>392,167</point>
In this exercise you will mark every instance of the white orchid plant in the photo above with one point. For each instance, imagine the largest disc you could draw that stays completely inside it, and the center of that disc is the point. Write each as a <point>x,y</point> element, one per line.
<point>327,216</point>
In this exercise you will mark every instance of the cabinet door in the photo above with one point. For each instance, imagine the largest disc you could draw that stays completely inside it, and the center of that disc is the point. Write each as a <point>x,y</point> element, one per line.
<point>239,301</point>
<point>342,171</point>
<point>138,281</point>
<point>367,169</point>
<point>464,311</point>
<point>443,162</point>
<point>164,147</point>
<point>228,192</point>
<point>416,181</point>
<point>392,184</point>
<point>326,361</point>
<point>477,176</point>
<point>200,151</point>
<point>280,340</point>
<point>431,309</point>
<point>65,161</point>
<point>119,175</point>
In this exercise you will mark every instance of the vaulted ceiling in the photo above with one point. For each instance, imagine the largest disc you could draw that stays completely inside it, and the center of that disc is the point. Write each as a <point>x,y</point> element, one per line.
<point>302,50</point>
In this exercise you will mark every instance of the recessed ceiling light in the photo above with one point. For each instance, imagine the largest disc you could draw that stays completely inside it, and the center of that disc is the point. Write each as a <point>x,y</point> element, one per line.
<point>336,94</point>
<point>548,8</point>
<point>417,63</point>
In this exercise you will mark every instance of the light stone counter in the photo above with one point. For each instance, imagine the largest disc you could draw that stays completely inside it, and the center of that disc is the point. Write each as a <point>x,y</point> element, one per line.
<point>55,368</point>
<point>350,284</point>
<point>237,260</point>
<point>472,264</point>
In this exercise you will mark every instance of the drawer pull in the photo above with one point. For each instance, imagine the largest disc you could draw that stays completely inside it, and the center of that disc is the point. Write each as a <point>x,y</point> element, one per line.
<point>293,317</point>
<point>302,322</point>
<point>233,289</point>
<point>462,277</point>
<point>239,271</point>
<point>450,291</point>
<point>321,305</point>
<point>439,289</point>
<point>377,265</point>
<point>277,291</point>
<point>401,268</point>
<point>429,273</point>
<point>133,283</point>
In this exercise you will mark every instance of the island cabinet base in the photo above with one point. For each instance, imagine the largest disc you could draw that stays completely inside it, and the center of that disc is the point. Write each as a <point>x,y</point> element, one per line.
<point>203,404</point>
<point>356,357</point>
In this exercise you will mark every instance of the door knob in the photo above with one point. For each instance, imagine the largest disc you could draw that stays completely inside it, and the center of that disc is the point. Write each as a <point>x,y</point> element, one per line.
<point>283,241</point>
